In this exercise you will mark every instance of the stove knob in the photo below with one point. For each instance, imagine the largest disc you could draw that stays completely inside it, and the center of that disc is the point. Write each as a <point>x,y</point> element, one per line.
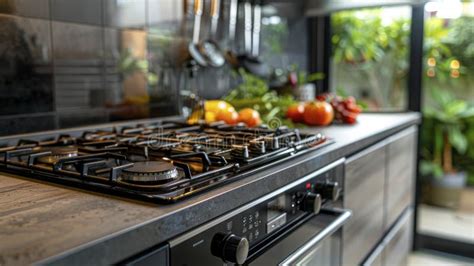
<point>230,248</point>
<point>328,190</point>
<point>311,202</point>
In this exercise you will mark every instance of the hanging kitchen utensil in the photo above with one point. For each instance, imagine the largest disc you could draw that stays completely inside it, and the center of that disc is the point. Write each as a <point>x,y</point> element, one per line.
<point>257,23</point>
<point>193,47</point>
<point>210,48</point>
<point>230,55</point>
<point>183,52</point>
<point>249,62</point>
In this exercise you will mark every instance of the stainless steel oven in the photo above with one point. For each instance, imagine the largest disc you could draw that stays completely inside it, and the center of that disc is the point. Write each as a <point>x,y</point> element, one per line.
<point>315,242</point>
<point>298,224</point>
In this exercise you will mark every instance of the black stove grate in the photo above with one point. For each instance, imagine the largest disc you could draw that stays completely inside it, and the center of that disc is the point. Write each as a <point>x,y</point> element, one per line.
<point>200,156</point>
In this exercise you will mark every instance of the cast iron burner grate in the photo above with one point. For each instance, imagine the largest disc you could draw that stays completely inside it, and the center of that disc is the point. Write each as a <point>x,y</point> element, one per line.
<point>160,162</point>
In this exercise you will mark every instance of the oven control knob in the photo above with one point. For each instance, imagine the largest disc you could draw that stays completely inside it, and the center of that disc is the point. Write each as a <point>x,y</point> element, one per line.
<point>230,248</point>
<point>328,190</point>
<point>311,202</point>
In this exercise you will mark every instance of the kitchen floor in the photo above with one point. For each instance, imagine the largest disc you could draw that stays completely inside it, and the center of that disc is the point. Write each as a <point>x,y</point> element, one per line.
<point>436,259</point>
<point>443,222</point>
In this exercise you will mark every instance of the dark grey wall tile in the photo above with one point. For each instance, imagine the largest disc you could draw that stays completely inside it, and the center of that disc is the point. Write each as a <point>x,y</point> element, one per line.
<point>122,43</point>
<point>112,39</point>
<point>26,8</point>
<point>25,66</point>
<point>125,14</point>
<point>78,11</point>
<point>16,125</point>
<point>169,32</point>
<point>76,44</point>
<point>125,66</point>
<point>82,117</point>
<point>165,12</point>
<point>26,39</point>
<point>129,111</point>
<point>78,64</point>
<point>164,108</point>
<point>167,49</point>
<point>71,95</point>
<point>113,59</point>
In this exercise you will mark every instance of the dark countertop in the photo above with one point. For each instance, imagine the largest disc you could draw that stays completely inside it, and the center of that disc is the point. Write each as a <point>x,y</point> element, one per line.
<point>50,223</point>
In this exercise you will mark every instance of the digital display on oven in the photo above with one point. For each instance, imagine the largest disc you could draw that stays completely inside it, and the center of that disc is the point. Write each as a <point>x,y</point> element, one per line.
<point>276,207</point>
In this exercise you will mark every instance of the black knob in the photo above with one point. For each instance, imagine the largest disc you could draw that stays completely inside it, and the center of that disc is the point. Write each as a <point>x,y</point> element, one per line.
<point>311,202</point>
<point>230,248</point>
<point>328,190</point>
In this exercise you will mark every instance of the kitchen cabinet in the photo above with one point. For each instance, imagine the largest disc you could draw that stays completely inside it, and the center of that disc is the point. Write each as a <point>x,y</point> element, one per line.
<point>399,185</point>
<point>364,195</point>
<point>379,186</point>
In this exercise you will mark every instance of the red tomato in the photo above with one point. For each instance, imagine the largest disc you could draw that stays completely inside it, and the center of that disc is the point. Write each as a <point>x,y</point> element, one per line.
<point>250,117</point>
<point>295,112</point>
<point>318,113</point>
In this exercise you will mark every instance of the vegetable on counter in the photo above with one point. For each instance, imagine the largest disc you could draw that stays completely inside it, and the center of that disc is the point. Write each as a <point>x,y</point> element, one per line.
<point>318,113</point>
<point>254,93</point>
<point>212,111</point>
<point>253,103</point>
<point>326,109</point>
<point>218,110</point>
<point>346,109</point>
<point>250,117</point>
<point>230,116</point>
<point>295,112</point>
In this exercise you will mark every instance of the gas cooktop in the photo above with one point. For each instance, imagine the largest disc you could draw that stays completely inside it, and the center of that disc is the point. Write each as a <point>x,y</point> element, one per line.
<point>160,162</point>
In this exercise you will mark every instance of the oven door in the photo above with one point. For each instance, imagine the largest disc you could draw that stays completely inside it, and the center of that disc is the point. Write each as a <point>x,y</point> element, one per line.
<point>316,241</point>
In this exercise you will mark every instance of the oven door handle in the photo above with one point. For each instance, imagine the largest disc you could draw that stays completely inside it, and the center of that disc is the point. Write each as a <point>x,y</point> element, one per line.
<point>343,217</point>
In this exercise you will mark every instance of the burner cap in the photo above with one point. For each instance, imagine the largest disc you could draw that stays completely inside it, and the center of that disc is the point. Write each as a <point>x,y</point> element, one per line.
<point>57,152</point>
<point>150,171</point>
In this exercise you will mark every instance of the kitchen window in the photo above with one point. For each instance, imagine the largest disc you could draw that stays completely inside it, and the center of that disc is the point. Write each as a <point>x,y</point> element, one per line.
<point>369,60</point>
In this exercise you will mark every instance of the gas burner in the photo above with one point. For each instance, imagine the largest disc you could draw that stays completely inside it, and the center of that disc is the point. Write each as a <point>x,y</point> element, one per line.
<point>57,152</point>
<point>150,172</point>
<point>162,162</point>
<point>137,158</point>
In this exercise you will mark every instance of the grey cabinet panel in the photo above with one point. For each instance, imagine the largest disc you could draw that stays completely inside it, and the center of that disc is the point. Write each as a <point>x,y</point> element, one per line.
<point>376,257</point>
<point>379,183</point>
<point>400,174</point>
<point>398,244</point>
<point>394,248</point>
<point>364,195</point>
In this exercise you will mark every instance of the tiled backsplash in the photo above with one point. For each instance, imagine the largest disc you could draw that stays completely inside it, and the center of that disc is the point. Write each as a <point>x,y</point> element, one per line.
<point>66,63</point>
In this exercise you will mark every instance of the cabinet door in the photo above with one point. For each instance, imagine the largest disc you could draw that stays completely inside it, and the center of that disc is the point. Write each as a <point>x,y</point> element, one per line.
<point>399,241</point>
<point>364,195</point>
<point>400,174</point>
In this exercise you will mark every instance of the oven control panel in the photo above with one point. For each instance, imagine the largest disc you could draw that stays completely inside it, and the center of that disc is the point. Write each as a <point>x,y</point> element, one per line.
<point>231,237</point>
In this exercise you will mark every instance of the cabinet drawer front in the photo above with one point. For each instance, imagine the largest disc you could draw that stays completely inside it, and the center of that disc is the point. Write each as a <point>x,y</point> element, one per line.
<point>364,188</point>
<point>397,247</point>
<point>394,249</point>
<point>400,174</point>
<point>376,257</point>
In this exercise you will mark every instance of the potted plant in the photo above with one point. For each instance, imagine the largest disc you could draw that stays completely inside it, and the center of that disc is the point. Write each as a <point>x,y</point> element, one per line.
<point>444,121</point>
<point>302,84</point>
